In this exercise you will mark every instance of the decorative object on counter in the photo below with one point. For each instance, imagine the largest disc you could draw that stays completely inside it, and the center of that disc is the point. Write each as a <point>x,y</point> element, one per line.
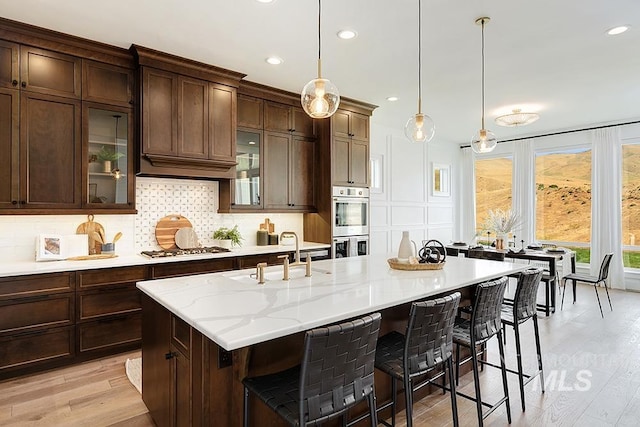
<point>406,250</point>
<point>95,246</point>
<point>109,248</point>
<point>186,237</point>
<point>262,238</point>
<point>56,247</point>
<point>268,226</point>
<point>166,229</point>
<point>273,239</point>
<point>227,238</point>
<point>432,252</point>
<point>91,257</point>
<point>396,265</point>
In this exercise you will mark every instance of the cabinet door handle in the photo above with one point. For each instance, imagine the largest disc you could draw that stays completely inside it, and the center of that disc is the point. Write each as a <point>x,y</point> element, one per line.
<point>131,101</point>
<point>170,355</point>
<point>24,84</point>
<point>14,82</point>
<point>14,202</point>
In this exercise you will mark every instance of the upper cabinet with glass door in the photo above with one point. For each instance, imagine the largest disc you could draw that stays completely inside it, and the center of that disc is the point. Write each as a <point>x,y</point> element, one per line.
<point>247,189</point>
<point>109,170</point>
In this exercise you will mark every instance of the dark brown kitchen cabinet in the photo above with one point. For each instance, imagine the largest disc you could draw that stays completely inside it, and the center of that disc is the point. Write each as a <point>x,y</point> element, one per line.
<point>289,163</point>
<point>250,112</point>
<point>286,118</point>
<point>50,72</point>
<point>36,322</point>
<point>50,152</point>
<point>107,84</point>
<point>188,116</point>
<point>10,147</point>
<point>9,64</point>
<point>350,148</point>
<point>108,310</point>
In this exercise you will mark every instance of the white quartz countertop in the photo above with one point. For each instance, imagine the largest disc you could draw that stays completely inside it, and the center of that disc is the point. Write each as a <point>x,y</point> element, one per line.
<point>231,309</point>
<point>20,268</point>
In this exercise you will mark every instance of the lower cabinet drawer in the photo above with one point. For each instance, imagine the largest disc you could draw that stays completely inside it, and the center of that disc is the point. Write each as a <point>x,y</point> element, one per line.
<point>37,346</point>
<point>36,312</point>
<point>117,301</point>
<point>109,333</point>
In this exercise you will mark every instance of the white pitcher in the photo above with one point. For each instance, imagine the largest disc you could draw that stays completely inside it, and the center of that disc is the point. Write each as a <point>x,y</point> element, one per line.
<point>406,250</point>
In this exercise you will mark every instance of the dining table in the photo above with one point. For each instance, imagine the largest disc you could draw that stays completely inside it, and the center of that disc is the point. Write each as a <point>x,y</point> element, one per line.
<point>556,262</point>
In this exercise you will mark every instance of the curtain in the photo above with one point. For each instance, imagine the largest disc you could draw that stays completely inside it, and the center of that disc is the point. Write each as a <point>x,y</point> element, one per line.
<point>606,202</point>
<point>468,196</point>
<point>524,190</point>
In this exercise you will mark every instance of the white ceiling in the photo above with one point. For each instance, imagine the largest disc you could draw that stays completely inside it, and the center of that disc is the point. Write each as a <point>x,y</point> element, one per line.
<point>551,55</point>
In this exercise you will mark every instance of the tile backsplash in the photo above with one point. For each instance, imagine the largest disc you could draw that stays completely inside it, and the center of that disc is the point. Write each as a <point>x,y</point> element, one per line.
<point>155,198</point>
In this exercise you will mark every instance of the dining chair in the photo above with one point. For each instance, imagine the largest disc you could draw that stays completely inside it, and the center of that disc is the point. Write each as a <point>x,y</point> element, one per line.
<point>471,333</point>
<point>336,373</point>
<point>594,280</point>
<point>426,344</point>
<point>488,254</point>
<point>514,314</point>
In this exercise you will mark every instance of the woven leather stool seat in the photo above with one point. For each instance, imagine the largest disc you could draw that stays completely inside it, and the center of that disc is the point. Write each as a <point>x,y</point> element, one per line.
<point>483,325</point>
<point>336,373</point>
<point>428,343</point>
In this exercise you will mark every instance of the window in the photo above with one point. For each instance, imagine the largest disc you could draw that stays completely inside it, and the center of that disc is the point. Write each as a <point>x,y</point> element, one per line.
<point>493,187</point>
<point>631,205</point>
<point>563,199</point>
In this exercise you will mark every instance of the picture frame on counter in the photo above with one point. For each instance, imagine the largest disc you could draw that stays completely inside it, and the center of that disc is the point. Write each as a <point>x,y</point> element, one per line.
<point>57,247</point>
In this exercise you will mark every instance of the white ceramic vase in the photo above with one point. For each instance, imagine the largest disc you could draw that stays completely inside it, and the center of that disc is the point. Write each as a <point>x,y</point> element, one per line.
<point>406,249</point>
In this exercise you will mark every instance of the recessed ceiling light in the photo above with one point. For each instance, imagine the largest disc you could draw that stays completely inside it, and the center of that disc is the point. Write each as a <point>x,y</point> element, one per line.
<point>265,1</point>
<point>617,30</point>
<point>252,143</point>
<point>392,98</point>
<point>274,60</point>
<point>347,34</point>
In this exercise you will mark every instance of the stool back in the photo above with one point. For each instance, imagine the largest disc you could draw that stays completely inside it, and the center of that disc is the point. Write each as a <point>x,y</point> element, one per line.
<point>604,267</point>
<point>524,301</point>
<point>337,367</point>
<point>429,337</point>
<point>485,317</point>
<point>488,254</point>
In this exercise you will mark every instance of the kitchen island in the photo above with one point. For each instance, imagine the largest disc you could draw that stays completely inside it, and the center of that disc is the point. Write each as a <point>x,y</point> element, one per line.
<point>202,334</point>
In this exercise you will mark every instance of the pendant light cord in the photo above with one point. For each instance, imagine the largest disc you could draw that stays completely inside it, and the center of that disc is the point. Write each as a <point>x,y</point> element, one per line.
<point>419,56</point>
<point>482,73</point>
<point>319,38</point>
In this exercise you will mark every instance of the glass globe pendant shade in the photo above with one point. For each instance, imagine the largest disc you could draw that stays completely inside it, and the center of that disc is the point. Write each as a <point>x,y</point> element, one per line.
<point>320,98</point>
<point>484,141</point>
<point>420,128</point>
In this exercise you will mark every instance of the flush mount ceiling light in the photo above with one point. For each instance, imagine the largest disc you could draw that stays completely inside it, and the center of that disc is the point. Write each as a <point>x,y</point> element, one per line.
<point>484,140</point>
<point>274,60</point>
<point>617,30</point>
<point>265,1</point>
<point>347,34</point>
<point>392,98</point>
<point>420,127</point>
<point>516,118</point>
<point>320,97</point>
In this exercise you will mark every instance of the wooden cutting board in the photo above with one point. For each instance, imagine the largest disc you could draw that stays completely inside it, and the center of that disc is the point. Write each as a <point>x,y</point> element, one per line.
<point>186,238</point>
<point>95,247</point>
<point>166,230</point>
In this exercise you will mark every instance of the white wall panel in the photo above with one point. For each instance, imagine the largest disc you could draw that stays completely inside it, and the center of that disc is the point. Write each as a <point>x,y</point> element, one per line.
<point>407,175</point>
<point>379,216</point>
<point>407,216</point>
<point>379,242</point>
<point>440,215</point>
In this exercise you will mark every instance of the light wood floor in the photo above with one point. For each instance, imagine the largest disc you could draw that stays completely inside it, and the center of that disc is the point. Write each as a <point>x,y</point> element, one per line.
<point>592,367</point>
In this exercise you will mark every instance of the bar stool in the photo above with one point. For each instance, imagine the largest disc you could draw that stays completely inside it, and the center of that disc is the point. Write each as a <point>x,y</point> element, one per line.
<point>522,309</point>
<point>336,373</point>
<point>428,342</point>
<point>484,324</point>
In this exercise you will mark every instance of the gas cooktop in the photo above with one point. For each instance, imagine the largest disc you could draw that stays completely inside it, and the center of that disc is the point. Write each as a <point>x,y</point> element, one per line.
<point>178,252</point>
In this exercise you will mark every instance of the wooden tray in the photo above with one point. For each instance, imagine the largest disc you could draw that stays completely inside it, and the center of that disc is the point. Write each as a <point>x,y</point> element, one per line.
<point>166,230</point>
<point>393,263</point>
<point>90,257</point>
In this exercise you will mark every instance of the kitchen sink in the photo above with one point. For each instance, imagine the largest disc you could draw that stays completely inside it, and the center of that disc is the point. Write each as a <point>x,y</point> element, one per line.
<point>275,275</point>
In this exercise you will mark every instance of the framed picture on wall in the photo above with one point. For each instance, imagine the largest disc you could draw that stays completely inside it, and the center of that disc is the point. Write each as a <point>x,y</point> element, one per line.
<point>376,168</point>
<point>441,180</point>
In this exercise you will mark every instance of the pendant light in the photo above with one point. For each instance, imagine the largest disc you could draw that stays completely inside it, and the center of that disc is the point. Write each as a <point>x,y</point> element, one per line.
<point>484,141</point>
<point>420,127</point>
<point>115,173</point>
<point>320,97</point>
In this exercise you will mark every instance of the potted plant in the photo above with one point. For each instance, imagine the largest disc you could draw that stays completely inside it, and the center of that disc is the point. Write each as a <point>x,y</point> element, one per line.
<point>107,156</point>
<point>226,238</point>
<point>502,223</point>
